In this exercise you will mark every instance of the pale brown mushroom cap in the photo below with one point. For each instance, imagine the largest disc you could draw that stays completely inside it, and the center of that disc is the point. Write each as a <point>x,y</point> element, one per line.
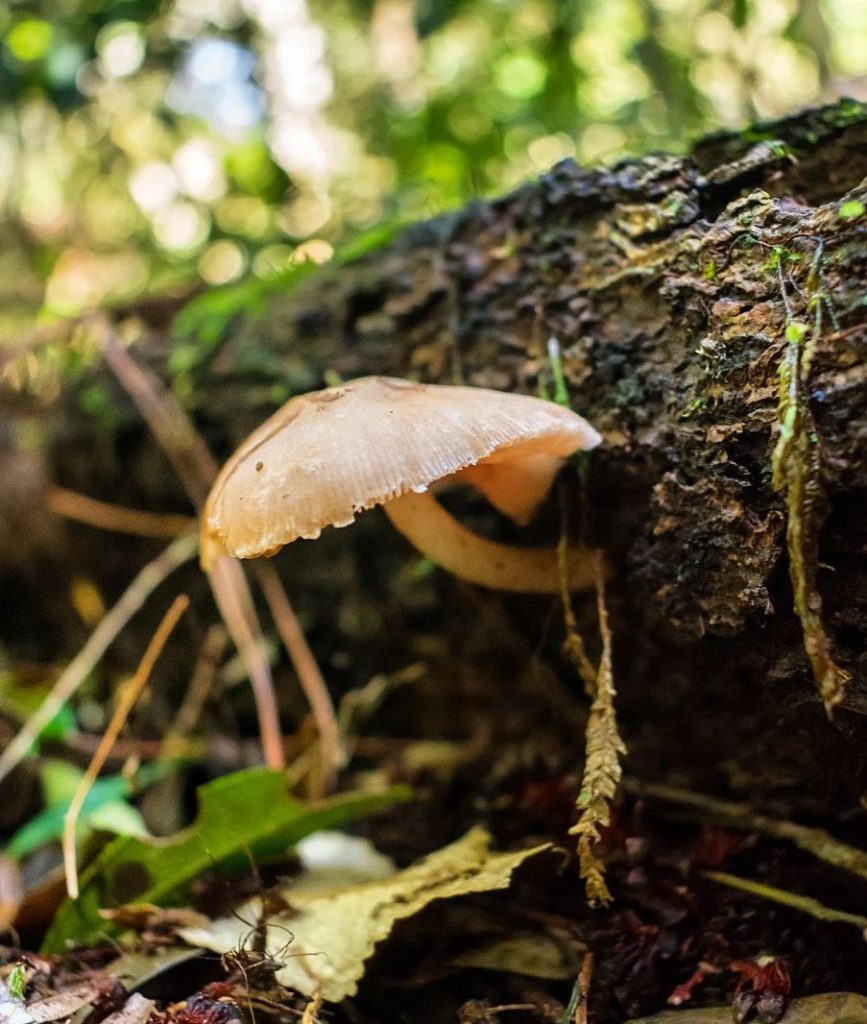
<point>325,456</point>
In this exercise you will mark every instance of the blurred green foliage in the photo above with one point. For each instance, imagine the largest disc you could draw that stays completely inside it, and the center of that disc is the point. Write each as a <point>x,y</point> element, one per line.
<point>149,145</point>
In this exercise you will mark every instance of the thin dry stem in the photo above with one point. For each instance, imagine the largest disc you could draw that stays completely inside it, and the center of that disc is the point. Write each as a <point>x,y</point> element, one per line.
<point>584,979</point>
<point>307,670</point>
<point>147,580</point>
<point>815,841</point>
<point>202,679</point>
<point>573,645</point>
<point>117,518</point>
<point>806,904</point>
<point>125,704</point>
<point>197,469</point>
<point>311,1011</point>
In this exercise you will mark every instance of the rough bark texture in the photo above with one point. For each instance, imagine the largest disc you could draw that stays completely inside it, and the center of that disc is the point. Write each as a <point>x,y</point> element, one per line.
<point>666,282</point>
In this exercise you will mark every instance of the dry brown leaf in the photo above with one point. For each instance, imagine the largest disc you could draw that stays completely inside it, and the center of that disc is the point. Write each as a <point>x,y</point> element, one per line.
<point>61,1005</point>
<point>536,954</point>
<point>334,932</point>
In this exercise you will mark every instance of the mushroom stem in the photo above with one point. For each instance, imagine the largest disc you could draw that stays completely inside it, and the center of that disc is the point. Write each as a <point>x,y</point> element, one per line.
<point>437,534</point>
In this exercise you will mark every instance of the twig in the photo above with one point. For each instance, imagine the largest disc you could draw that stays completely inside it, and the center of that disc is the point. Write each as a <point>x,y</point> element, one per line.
<point>304,663</point>
<point>815,841</point>
<point>806,904</point>
<point>105,516</point>
<point>311,1010</point>
<point>576,1008</point>
<point>125,704</point>
<point>168,423</point>
<point>202,679</point>
<point>147,580</point>
<point>196,469</point>
<point>584,979</point>
<point>171,748</point>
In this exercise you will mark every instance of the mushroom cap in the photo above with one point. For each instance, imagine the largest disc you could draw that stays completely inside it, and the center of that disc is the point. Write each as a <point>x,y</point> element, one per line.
<point>325,456</point>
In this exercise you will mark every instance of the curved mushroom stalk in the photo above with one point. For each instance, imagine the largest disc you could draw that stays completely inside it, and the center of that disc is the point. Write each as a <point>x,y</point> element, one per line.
<point>437,534</point>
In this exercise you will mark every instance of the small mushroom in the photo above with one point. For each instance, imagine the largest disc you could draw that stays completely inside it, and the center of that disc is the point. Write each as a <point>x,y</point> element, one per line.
<point>326,456</point>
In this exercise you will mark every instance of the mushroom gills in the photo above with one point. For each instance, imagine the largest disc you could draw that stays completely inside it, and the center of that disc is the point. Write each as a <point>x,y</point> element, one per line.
<point>517,487</point>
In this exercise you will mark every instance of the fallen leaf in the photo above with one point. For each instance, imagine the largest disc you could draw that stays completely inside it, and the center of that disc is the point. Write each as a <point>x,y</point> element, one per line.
<point>136,969</point>
<point>243,815</point>
<point>60,1005</point>
<point>136,1010</point>
<point>334,932</point>
<point>536,954</point>
<point>830,1008</point>
<point>12,1008</point>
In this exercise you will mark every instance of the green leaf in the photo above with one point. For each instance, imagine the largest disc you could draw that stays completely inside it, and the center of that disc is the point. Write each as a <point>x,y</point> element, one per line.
<point>60,780</point>
<point>48,825</point>
<point>21,701</point>
<point>248,814</point>
<point>120,818</point>
<point>17,981</point>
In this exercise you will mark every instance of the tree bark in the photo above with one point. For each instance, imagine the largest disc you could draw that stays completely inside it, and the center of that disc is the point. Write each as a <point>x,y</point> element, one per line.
<point>669,284</point>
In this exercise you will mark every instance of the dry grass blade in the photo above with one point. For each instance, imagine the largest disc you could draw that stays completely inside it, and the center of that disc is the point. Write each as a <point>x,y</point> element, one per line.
<point>126,703</point>
<point>117,518</point>
<point>147,580</point>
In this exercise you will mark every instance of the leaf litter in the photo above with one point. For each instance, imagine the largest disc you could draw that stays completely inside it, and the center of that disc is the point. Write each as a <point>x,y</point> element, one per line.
<point>334,932</point>
<point>247,815</point>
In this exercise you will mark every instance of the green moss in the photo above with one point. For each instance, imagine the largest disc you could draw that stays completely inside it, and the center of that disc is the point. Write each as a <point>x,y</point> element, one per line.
<point>691,408</point>
<point>710,271</point>
<point>780,257</point>
<point>851,210</point>
<point>796,473</point>
<point>847,111</point>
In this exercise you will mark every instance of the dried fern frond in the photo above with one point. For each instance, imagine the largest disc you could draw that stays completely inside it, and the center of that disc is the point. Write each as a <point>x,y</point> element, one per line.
<point>602,768</point>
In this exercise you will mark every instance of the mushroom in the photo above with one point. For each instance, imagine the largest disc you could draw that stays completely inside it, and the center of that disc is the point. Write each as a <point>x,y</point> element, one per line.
<point>328,455</point>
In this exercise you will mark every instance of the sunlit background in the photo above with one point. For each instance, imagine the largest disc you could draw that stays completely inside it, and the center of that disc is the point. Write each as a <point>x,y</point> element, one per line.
<point>147,146</point>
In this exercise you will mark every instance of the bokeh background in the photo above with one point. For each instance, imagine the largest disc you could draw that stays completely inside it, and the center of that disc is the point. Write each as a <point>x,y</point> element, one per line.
<point>151,146</point>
